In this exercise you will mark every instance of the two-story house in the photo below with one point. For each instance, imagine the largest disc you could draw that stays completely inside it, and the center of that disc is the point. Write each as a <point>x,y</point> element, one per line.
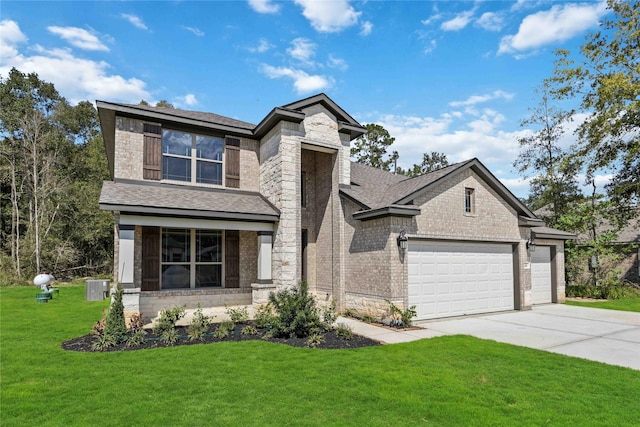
<point>211,210</point>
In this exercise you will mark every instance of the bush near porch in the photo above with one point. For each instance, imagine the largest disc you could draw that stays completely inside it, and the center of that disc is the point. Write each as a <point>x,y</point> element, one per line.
<point>445,381</point>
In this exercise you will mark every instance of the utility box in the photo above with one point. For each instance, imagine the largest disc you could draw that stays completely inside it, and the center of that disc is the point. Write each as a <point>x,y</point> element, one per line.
<point>97,290</point>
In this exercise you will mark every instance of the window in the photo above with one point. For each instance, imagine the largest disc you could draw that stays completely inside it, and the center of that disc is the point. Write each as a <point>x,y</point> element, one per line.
<point>191,258</point>
<point>303,189</point>
<point>191,158</point>
<point>469,201</point>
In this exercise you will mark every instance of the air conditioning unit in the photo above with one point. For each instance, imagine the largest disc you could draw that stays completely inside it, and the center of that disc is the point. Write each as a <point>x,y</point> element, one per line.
<point>97,290</point>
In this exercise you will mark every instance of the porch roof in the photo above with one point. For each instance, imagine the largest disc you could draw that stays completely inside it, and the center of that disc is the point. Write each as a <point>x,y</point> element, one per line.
<point>186,201</point>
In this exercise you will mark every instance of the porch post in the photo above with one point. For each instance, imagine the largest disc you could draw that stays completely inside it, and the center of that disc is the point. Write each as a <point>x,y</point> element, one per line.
<point>265,245</point>
<point>264,284</point>
<point>125,255</point>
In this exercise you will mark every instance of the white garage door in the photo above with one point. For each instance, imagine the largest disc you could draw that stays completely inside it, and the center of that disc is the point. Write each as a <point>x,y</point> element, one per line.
<point>454,279</point>
<point>541,275</point>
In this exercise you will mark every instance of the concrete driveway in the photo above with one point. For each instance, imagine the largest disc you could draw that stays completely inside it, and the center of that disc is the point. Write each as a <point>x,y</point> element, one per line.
<point>607,336</point>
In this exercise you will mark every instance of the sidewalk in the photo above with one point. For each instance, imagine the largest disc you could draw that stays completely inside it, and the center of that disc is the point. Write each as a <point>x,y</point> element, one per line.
<point>387,335</point>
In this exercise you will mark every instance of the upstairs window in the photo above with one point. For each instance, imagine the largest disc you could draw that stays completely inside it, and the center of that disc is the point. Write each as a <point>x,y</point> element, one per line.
<point>192,158</point>
<point>469,201</point>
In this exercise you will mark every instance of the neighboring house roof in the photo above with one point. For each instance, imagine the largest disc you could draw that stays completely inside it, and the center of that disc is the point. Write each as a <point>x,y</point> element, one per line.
<point>629,234</point>
<point>185,201</point>
<point>374,189</point>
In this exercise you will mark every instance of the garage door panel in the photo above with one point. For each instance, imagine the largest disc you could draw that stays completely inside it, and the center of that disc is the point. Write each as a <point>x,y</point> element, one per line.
<point>456,278</point>
<point>541,275</point>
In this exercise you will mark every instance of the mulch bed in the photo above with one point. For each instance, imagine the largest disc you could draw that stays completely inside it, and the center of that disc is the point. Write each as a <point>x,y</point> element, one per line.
<point>330,341</point>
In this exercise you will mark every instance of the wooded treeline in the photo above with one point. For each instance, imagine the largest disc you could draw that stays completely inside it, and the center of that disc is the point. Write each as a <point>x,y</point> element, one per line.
<point>52,164</point>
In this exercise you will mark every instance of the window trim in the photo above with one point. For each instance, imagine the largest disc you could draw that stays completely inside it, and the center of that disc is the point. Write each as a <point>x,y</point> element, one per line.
<point>192,263</point>
<point>469,201</point>
<point>194,159</point>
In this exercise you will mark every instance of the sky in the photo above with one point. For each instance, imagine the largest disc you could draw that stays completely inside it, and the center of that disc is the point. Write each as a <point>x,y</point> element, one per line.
<point>446,76</point>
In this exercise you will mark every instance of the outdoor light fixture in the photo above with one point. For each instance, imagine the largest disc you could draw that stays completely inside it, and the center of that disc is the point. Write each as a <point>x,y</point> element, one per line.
<point>531,245</point>
<point>403,240</point>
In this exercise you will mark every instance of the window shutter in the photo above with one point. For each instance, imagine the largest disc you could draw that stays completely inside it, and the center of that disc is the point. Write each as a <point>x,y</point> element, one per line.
<point>232,163</point>
<point>150,258</point>
<point>152,163</point>
<point>232,259</point>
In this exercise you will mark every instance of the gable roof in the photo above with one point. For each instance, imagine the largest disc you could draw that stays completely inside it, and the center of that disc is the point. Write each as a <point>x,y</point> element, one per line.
<point>107,112</point>
<point>374,189</point>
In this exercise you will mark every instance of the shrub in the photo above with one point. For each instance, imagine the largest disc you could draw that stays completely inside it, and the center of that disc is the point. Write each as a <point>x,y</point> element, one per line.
<point>98,327</point>
<point>103,342</point>
<point>167,320</point>
<point>343,331</point>
<point>135,324</point>
<point>249,330</point>
<point>199,325</point>
<point>401,318</point>
<point>238,315</point>
<point>265,317</point>
<point>115,326</point>
<point>329,314</point>
<point>315,339</point>
<point>224,329</point>
<point>296,312</point>
<point>136,338</point>
<point>169,336</point>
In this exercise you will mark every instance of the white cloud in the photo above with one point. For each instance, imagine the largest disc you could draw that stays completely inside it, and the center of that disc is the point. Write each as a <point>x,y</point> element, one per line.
<point>338,63</point>
<point>329,16</point>
<point>302,50</point>
<point>189,100</point>
<point>10,37</point>
<point>262,47</point>
<point>134,20</point>
<point>79,38</point>
<point>75,78</point>
<point>557,24</point>
<point>302,81</point>
<point>264,6</point>
<point>366,28</point>
<point>433,18</point>
<point>477,99</point>
<point>459,21</point>
<point>194,30</point>
<point>490,21</point>
<point>431,46</point>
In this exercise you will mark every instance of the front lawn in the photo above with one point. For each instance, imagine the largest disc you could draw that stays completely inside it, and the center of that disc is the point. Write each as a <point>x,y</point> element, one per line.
<point>626,304</point>
<point>446,381</point>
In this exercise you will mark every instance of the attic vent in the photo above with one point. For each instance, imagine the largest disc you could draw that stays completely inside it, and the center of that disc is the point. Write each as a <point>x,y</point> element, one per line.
<point>149,128</point>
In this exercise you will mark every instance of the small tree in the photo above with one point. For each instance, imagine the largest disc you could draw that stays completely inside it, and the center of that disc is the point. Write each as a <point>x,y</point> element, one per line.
<point>115,326</point>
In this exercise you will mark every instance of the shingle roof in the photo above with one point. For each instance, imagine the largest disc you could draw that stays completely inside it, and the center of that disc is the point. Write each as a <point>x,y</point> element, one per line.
<point>178,200</point>
<point>375,188</point>
<point>194,115</point>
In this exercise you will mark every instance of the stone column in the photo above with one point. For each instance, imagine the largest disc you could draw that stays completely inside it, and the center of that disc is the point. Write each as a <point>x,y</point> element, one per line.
<point>126,256</point>
<point>265,243</point>
<point>264,286</point>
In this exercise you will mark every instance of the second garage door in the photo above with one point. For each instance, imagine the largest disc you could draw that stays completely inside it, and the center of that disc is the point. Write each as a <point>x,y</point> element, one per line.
<point>459,278</point>
<point>541,275</point>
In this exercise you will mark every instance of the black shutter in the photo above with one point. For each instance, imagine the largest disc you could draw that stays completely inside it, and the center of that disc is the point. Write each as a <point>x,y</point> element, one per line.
<point>152,163</point>
<point>232,259</point>
<point>232,163</point>
<point>150,258</point>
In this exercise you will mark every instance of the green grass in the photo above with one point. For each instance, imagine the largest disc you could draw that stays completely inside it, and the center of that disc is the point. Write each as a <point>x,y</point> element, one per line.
<point>625,304</point>
<point>448,381</point>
